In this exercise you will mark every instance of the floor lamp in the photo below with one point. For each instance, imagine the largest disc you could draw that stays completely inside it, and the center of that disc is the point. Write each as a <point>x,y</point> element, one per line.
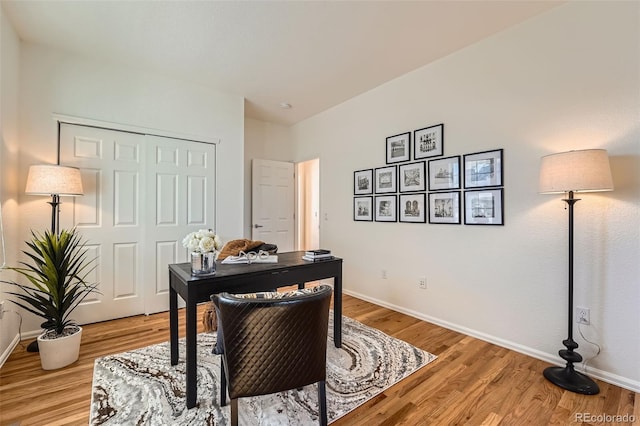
<point>570,172</point>
<point>56,181</point>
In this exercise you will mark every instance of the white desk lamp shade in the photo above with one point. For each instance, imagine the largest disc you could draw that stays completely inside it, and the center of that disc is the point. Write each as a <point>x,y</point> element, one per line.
<point>578,171</point>
<point>49,179</point>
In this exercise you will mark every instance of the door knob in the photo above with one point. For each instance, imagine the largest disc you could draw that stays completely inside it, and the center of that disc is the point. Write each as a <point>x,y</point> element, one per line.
<point>258,226</point>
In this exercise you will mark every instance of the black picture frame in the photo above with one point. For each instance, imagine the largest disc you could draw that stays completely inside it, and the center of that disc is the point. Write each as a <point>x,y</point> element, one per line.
<point>412,177</point>
<point>483,169</point>
<point>444,173</point>
<point>363,209</point>
<point>412,208</point>
<point>444,207</point>
<point>363,182</point>
<point>398,148</point>
<point>386,180</point>
<point>484,207</point>
<point>428,142</point>
<point>386,208</point>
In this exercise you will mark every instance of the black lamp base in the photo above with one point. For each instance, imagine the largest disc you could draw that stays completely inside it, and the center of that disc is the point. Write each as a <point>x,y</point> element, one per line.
<point>33,347</point>
<point>568,378</point>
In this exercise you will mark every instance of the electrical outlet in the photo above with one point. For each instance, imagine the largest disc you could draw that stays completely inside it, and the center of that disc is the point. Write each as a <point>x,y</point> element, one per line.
<point>2,308</point>
<point>383,274</point>
<point>583,316</point>
<point>422,283</point>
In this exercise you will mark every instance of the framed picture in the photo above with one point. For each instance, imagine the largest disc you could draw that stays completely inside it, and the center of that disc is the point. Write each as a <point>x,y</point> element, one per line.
<point>363,182</point>
<point>484,207</point>
<point>386,180</point>
<point>444,207</point>
<point>483,169</point>
<point>398,148</point>
<point>412,208</point>
<point>428,142</point>
<point>412,177</point>
<point>444,173</point>
<point>363,208</point>
<point>386,209</point>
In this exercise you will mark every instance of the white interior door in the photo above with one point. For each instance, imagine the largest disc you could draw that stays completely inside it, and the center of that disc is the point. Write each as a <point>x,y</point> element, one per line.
<point>142,195</point>
<point>272,206</point>
<point>180,199</point>
<point>109,216</point>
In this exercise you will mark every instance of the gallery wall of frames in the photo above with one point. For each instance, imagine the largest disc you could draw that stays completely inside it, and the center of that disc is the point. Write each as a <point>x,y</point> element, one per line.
<point>419,184</point>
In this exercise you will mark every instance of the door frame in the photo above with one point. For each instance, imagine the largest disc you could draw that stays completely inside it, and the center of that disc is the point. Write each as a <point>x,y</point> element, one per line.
<point>302,185</point>
<point>110,125</point>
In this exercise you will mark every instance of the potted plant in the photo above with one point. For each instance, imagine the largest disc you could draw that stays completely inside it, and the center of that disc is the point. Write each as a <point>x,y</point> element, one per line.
<point>203,245</point>
<point>57,274</point>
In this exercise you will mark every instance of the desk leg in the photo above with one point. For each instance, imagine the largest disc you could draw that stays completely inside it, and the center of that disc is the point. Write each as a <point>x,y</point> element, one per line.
<point>337,311</point>
<point>191,359</point>
<point>173,324</point>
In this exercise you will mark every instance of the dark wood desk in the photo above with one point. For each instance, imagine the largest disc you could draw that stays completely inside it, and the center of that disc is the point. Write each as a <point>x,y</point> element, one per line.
<point>243,278</point>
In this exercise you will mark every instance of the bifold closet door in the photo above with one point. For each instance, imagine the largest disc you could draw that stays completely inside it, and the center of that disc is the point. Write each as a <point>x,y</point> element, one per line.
<point>180,199</point>
<point>142,195</point>
<point>108,216</point>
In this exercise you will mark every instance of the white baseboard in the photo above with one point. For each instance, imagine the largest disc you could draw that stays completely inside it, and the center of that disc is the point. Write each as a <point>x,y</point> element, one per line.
<point>10,348</point>
<point>605,376</point>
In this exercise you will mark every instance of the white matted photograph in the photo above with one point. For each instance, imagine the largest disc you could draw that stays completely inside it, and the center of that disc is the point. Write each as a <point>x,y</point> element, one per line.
<point>363,182</point>
<point>428,142</point>
<point>386,180</point>
<point>399,148</point>
<point>484,207</point>
<point>363,208</point>
<point>412,208</point>
<point>386,209</point>
<point>444,173</point>
<point>483,169</point>
<point>444,207</point>
<point>412,177</point>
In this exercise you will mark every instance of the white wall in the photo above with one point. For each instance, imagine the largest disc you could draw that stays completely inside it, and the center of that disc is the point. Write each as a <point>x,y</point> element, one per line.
<point>9,81</point>
<point>265,141</point>
<point>57,82</point>
<point>568,79</point>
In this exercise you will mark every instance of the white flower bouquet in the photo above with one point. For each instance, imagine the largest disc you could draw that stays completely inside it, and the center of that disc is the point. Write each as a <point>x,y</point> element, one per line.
<point>202,241</point>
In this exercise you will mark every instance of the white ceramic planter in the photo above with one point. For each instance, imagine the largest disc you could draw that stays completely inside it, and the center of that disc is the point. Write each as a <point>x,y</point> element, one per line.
<point>58,353</point>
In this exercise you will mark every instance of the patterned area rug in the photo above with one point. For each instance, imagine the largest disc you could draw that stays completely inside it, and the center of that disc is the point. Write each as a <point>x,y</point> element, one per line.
<point>141,387</point>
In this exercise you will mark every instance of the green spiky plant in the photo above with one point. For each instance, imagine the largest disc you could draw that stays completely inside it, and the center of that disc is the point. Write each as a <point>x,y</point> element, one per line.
<point>57,273</point>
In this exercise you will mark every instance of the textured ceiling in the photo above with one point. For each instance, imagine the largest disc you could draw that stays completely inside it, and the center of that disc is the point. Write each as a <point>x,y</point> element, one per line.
<point>313,55</point>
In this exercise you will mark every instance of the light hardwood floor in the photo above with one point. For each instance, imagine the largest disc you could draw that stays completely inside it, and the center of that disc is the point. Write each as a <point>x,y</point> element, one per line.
<point>471,383</point>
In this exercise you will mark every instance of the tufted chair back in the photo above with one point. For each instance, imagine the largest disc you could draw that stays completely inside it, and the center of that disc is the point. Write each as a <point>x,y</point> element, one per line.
<point>273,342</point>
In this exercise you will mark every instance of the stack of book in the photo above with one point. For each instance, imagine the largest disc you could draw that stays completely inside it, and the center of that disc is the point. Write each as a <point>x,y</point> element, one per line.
<point>317,255</point>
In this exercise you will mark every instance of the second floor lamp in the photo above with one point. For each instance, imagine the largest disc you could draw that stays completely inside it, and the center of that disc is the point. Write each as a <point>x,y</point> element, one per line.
<point>570,172</point>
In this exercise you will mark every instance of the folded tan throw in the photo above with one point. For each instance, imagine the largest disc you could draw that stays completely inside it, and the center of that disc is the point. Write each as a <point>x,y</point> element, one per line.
<point>234,247</point>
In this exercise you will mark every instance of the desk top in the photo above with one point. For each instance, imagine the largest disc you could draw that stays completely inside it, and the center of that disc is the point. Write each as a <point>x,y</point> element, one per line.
<point>285,261</point>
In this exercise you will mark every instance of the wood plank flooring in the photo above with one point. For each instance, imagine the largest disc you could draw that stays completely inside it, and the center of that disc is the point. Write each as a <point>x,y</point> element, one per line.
<point>471,383</point>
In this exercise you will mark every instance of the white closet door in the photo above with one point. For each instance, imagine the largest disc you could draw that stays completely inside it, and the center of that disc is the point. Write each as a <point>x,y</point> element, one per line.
<point>142,195</point>
<point>109,216</point>
<point>180,195</point>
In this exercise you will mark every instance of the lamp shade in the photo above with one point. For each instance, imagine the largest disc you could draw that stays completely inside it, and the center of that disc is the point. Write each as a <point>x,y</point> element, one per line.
<point>49,179</point>
<point>578,171</point>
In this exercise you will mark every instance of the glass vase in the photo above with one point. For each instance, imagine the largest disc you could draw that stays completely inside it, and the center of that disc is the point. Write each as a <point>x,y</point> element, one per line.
<point>203,263</point>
